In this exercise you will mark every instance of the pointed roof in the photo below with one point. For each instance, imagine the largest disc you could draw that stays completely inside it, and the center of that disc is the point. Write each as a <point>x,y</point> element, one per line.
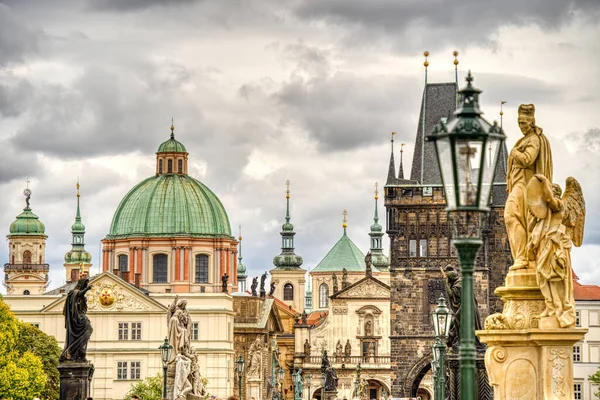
<point>241,269</point>
<point>287,259</point>
<point>401,168</point>
<point>344,254</point>
<point>391,178</point>
<point>439,101</point>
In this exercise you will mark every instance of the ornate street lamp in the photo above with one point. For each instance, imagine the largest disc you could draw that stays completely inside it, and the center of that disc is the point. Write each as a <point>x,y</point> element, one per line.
<point>280,376</point>
<point>442,318</point>
<point>165,354</point>
<point>308,380</point>
<point>239,366</point>
<point>467,151</point>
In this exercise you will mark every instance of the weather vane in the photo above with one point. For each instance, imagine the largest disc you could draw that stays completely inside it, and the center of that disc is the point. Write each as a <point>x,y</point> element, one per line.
<point>27,192</point>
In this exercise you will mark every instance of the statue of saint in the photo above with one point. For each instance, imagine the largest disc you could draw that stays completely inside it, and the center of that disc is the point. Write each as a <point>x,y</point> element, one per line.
<point>224,280</point>
<point>78,326</point>
<point>254,367</point>
<point>368,328</point>
<point>348,349</point>
<point>263,278</point>
<point>307,348</point>
<point>254,286</point>
<point>331,379</point>
<point>559,223</point>
<point>345,282</point>
<point>335,283</point>
<point>272,289</point>
<point>195,378</point>
<point>530,155</point>
<point>339,349</point>
<point>368,264</point>
<point>304,318</point>
<point>179,327</point>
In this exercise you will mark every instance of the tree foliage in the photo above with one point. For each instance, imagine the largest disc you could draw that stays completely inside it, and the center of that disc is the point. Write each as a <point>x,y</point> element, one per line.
<point>148,389</point>
<point>46,348</point>
<point>595,378</point>
<point>22,374</point>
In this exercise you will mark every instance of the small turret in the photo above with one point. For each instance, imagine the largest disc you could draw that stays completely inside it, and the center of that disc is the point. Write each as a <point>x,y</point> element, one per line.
<point>77,260</point>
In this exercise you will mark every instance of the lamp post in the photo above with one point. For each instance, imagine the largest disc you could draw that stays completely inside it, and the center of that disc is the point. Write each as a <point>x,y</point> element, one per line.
<point>442,318</point>
<point>165,354</point>
<point>240,372</point>
<point>467,149</point>
<point>434,373</point>
<point>308,383</point>
<point>280,376</point>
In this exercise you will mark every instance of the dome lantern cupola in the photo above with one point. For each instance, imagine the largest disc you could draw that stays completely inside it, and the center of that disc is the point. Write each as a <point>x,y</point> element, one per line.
<point>77,260</point>
<point>287,259</point>
<point>171,156</point>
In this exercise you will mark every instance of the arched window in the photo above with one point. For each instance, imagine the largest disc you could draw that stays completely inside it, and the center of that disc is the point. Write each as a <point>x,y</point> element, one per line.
<point>169,166</point>
<point>40,258</point>
<point>201,268</point>
<point>160,166</point>
<point>13,259</point>
<point>26,257</point>
<point>160,268</point>
<point>26,292</point>
<point>179,166</point>
<point>288,291</point>
<point>123,263</point>
<point>323,296</point>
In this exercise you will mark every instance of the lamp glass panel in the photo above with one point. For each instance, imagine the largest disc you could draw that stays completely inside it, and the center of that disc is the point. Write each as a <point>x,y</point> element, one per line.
<point>492,149</point>
<point>468,159</point>
<point>447,170</point>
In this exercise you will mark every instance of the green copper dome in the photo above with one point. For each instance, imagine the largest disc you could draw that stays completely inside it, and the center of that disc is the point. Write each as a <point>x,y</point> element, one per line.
<point>27,224</point>
<point>171,146</point>
<point>170,205</point>
<point>344,254</point>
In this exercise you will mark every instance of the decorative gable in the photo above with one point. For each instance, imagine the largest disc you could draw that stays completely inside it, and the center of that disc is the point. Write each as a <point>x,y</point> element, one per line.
<point>366,288</point>
<point>110,293</point>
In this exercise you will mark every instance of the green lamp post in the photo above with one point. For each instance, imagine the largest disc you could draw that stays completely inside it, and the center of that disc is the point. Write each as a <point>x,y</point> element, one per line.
<point>239,364</point>
<point>280,376</point>
<point>165,355</point>
<point>434,373</point>
<point>442,318</point>
<point>308,380</point>
<point>467,149</point>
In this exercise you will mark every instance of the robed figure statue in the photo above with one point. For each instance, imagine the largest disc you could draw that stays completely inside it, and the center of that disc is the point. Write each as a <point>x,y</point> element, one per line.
<point>78,326</point>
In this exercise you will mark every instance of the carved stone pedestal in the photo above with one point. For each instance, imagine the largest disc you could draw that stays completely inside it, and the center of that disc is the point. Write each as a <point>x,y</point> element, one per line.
<point>330,395</point>
<point>526,358</point>
<point>253,388</point>
<point>75,378</point>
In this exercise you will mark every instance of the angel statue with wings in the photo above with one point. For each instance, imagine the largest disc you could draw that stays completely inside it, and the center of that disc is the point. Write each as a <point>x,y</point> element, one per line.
<point>558,224</point>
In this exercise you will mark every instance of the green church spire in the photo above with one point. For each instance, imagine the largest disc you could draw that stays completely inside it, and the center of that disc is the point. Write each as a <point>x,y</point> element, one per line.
<point>379,259</point>
<point>78,255</point>
<point>287,259</point>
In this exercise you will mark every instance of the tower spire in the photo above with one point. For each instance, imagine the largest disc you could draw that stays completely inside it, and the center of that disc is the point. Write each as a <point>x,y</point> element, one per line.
<point>455,54</point>
<point>401,170</point>
<point>241,269</point>
<point>379,260</point>
<point>345,221</point>
<point>172,128</point>
<point>425,64</point>
<point>391,178</point>
<point>77,261</point>
<point>287,259</point>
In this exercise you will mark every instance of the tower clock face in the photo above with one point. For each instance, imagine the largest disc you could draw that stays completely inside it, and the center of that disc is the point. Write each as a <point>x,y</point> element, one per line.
<point>27,192</point>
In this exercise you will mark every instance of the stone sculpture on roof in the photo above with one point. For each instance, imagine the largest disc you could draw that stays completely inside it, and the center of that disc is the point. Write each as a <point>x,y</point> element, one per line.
<point>254,286</point>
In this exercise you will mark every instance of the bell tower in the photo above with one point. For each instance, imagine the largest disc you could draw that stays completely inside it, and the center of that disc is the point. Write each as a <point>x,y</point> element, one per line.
<point>26,273</point>
<point>77,261</point>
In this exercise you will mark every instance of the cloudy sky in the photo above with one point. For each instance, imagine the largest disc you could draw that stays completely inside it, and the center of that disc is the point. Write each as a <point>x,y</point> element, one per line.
<point>263,91</point>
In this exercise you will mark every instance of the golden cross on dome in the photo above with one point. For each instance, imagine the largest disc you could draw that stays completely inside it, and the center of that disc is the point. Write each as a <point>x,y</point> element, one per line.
<point>287,191</point>
<point>77,186</point>
<point>393,133</point>
<point>240,238</point>
<point>376,190</point>
<point>345,220</point>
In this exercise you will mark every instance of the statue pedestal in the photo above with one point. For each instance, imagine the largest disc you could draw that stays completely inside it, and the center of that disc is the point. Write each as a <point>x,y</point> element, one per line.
<point>528,357</point>
<point>75,378</point>
<point>330,394</point>
<point>253,388</point>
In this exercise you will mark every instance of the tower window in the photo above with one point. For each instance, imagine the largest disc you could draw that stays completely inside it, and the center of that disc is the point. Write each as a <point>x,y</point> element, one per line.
<point>26,257</point>
<point>423,247</point>
<point>160,268</point>
<point>412,248</point>
<point>160,166</point>
<point>288,292</point>
<point>179,166</point>
<point>201,268</point>
<point>169,166</point>
<point>323,296</point>
<point>123,263</point>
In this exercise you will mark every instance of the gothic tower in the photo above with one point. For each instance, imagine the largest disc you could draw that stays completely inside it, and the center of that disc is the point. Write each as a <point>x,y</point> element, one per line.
<point>287,275</point>
<point>26,273</point>
<point>77,261</point>
<point>420,244</point>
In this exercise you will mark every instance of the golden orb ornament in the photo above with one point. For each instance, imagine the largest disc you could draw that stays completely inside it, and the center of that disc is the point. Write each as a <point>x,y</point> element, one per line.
<point>426,63</point>
<point>426,53</point>
<point>455,53</point>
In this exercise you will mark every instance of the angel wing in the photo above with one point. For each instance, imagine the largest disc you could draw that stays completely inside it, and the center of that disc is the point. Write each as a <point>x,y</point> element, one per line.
<point>574,214</point>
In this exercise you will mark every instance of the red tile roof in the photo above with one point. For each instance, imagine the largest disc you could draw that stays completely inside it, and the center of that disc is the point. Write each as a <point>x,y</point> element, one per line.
<point>585,292</point>
<point>316,318</point>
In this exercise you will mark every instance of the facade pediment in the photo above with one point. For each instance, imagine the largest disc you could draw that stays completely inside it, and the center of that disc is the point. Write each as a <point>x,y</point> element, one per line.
<point>110,293</point>
<point>366,288</point>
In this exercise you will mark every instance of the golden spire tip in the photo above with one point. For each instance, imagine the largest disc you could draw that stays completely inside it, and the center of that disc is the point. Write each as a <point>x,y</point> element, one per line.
<point>426,63</point>
<point>376,190</point>
<point>77,186</point>
<point>455,54</point>
<point>345,220</point>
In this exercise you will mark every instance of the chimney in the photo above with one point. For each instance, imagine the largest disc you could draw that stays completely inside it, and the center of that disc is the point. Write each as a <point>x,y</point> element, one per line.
<point>116,271</point>
<point>125,276</point>
<point>138,279</point>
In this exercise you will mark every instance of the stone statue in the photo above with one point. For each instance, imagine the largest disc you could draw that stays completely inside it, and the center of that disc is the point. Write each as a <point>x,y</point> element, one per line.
<point>339,349</point>
<point>371,352</point>
<point>182,386</point>
<point>179,327</point>
<point>335,283</point>
<point>453,284</point>
<point>254,286</point>
<point>255,352</point>
<point>263,278</point>
<point>224,280</point>
<point>331,379</point>
<point>559,223</point>
<point>78,326</point>
<point>345,282</point>
<point>530,155</point>
<point>304,318</point>
<point>369,264</point>
<point>272,289</point>
<point>307,348</point>
<point>198,388</point>
<point>368,328</point>
<point>348,349</point>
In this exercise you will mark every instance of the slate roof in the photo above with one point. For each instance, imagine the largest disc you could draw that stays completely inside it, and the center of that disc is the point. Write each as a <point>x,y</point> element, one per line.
<point>344,254</point>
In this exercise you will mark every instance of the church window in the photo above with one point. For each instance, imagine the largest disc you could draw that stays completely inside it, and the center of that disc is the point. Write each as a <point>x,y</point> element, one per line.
<point>26,257</point>
<point>123,263</point>
<point>136,331</point>
<point>323,296</point>
<point>123,331</point>
<point>423,248</point>
<point>195,331</point>
<point>180,166</point>
<point>135,369</point>
<point>160,268</point>
<point>169,166</point>
<point>201,268</point>
<point>160,166</point>
<point>26,292</point>
<point>412,248</point>
<point>122,370</point>
<point>288,292</point>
